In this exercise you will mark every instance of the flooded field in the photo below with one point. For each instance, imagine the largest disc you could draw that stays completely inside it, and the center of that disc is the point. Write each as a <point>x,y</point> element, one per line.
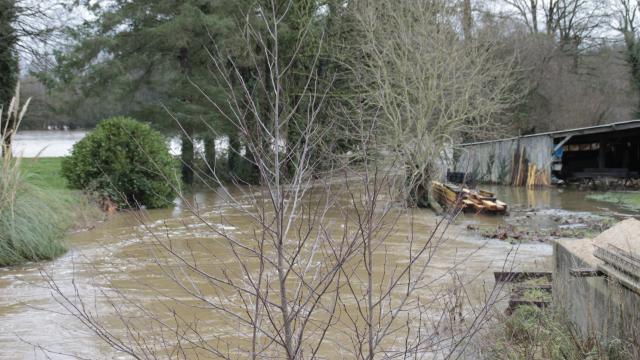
<point>57,143</point>
<point>120,255</point>
<point>45,143</point>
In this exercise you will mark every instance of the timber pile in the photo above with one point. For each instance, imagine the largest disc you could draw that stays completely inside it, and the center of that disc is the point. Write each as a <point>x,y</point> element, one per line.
<point>525,173</point>
<point>457,197</point>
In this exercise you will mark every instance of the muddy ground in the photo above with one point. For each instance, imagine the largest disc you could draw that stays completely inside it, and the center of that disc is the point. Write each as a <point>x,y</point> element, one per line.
<point>545,225</point>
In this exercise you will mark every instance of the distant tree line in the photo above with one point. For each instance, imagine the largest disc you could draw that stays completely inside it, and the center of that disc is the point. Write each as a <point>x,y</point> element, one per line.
<point>569,63</point>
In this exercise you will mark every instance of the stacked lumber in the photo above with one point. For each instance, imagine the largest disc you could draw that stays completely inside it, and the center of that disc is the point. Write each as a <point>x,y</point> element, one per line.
<point>456,197</point>
<point>525,173</point>
<point>537,177</point>
<point>519,167</point>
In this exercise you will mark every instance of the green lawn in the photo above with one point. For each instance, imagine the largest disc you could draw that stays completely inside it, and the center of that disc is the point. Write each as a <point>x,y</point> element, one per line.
<point>44,173</point>
<point>626,199</point>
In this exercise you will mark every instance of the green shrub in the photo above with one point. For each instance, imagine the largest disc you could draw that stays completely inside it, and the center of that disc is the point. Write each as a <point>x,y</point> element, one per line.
<point>126,161</point>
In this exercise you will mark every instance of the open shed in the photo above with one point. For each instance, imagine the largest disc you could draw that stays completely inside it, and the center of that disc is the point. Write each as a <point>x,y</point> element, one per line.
<point>603,151</point>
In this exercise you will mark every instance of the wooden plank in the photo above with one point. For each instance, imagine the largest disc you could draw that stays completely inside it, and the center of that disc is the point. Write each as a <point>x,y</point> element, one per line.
<point>519,276</point>
<point>585,272</point>
<point>545,287</point>
<point>466,199</point>
<point>489,204</point>
<point>486,193</point>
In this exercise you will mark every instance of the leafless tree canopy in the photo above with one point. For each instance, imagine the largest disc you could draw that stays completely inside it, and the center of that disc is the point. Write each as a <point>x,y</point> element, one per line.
<point>428,87</point>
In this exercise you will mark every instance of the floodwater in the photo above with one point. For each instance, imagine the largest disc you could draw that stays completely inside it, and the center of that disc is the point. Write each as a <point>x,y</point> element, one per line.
<point>119,255</point>
<point>45,143</point>
<point>58,143</point>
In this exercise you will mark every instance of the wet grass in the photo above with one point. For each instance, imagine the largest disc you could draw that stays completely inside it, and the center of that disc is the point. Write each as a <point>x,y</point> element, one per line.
<point>37,209</point>
<point>32,226</point>
<point>32,220</point>
<point>627,199</point>
<point>536,295</point>
<point>534,333</point>
<point>44,173</point>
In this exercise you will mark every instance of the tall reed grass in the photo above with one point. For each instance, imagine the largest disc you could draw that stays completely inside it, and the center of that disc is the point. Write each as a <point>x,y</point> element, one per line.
<point>32,221</point>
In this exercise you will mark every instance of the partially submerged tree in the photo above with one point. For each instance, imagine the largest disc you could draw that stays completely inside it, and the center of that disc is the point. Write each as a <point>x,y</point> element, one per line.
<point>429,87</point>
<point>147,56</point>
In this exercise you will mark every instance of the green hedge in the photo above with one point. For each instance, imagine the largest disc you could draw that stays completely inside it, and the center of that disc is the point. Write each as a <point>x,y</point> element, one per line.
<point>125,161</point>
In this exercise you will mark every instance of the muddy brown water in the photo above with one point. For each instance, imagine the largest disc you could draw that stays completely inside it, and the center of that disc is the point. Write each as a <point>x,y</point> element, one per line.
<point>116,253</point>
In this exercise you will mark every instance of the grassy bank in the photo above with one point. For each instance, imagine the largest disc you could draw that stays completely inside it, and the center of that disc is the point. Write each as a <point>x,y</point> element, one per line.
<point>627,199</point>
<point>45,174</point>
<point>36,211</point>
<point>534,333</point>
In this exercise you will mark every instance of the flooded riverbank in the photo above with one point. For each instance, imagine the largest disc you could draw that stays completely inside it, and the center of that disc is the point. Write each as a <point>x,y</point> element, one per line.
<point>120,255</point>
<point>117,254</point>
<point>45,143</point>
<point>547,214</point>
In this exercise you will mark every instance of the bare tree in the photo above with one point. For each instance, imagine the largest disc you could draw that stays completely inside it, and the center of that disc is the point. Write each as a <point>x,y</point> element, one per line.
<point>281,287</point>
<point>403,309</point>
<point>573,22</point>
<point>431,88</point>
<point>624,19</point>
<point>624,16</point>
<point>527,10</point>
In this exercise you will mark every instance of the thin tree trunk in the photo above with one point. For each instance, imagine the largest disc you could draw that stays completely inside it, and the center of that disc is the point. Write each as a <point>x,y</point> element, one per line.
<point>186,156</point>
<point>467,21</point>
<point>210,153</point>
<point>534,15</point>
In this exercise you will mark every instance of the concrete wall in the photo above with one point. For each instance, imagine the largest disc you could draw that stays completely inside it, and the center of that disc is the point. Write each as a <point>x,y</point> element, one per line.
<point>598,306</point>
<point>491,162</point>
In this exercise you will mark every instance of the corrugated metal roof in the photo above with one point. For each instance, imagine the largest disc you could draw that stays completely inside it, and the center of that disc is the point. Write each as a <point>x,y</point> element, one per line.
<point>622,125</point>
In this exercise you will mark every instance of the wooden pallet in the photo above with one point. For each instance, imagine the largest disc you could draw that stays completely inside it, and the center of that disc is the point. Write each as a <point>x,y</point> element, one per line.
<point>456,197</point>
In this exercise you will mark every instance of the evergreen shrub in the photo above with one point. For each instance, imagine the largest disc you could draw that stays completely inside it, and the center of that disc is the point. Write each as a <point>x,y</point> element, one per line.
<point>125,161</point>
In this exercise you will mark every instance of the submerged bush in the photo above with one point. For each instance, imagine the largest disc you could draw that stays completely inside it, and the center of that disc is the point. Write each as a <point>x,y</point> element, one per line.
<point>125,161</point>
